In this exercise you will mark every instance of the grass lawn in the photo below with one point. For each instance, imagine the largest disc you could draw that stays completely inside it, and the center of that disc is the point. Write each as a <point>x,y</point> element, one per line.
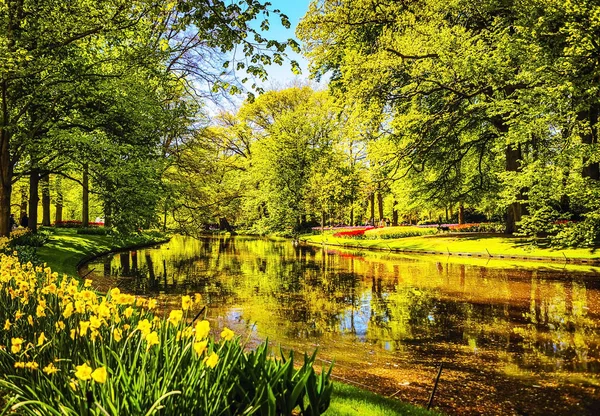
<point>493,245</point>
<point>348,401</point>
<point>66,248</point>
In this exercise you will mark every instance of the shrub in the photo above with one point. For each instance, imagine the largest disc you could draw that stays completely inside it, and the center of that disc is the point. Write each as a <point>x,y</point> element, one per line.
<point>398,232</point>
<point>66,350</point>
<point>24,237</point>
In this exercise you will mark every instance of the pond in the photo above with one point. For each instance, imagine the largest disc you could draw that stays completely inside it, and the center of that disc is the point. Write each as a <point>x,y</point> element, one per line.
<point>512,340</point>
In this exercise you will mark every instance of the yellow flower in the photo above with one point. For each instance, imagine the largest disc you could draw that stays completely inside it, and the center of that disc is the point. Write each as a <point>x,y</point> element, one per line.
<point>117,334</point>
<point>16,345</point>
<point>72,334</point>
<point>145,327</point>
<point>19,364</point>
<point>139,302</point>
<point>227,334</point>
<point>202,329</point>
<point>200,347</point>
<point>39,311</point>
<point>197,298</point>
<point>79,306</point>
<point>115,292</point>
<point>186,302</point>
<point>32,365</point>
<point>41,340</point>
<point>83,327</point>
<point>50,369</point>
<point>73,385</point>
<point>128,312</point>
<point>7,325</point>
<point>68,310</point>
<point>211,361</point>
<point>152,303</point>
<point>84,372</point>
<point>88,283</point>
<point>95,322</point>
<point>60,325</point>
<point>30,319</point>
<point>99,375</point>
<point>175,316</point>
<point>18,315</point>
<point>152,339</point>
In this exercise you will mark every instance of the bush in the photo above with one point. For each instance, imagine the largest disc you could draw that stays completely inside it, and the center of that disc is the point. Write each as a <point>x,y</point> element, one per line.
<point>24,237</point>
<point>66,350</point>
<point>399,232</point>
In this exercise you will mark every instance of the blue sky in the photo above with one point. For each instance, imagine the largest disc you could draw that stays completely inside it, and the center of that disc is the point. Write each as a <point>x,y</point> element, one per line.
<point>280,76</point>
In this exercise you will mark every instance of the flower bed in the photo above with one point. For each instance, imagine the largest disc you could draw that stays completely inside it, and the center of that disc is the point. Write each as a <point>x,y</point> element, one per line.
<point>64,349</point>
<point>399,232</point>
<point>354,233</point>
<point>76,224</point>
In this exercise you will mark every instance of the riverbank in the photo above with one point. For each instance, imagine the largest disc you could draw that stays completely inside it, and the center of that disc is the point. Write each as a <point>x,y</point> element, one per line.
<point>66,250</point>
<point>492,246</point>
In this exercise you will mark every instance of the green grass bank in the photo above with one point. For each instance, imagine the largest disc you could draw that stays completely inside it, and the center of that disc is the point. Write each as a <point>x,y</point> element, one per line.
<point>66,250</point>
<point>465,245</point>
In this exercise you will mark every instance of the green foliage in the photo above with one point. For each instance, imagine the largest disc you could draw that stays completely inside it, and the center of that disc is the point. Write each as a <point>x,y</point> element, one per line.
<point>30,240</point>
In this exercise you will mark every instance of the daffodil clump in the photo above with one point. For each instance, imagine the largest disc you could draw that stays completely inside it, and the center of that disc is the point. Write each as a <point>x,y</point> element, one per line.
<point>65,349</point>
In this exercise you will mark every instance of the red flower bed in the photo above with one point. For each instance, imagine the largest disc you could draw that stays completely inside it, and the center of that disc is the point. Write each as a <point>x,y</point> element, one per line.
<point>76,224</point>
<point>462,227</point>
<point>352,233</point>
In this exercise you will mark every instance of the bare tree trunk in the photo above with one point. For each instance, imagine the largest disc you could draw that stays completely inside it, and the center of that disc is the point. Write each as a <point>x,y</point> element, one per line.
<point>85,202</point>
<point>461,213</point>
<point>380,205</point>
<point>513,157</point>
<point>59,200</point>
<point>107,215</point>
<point>590,137</point>
<point>45,181</point>
<point>394,215</point>
<point>34,199</point>
<point>372,202</point>
<point>23,210</point>
<point>6,166</point>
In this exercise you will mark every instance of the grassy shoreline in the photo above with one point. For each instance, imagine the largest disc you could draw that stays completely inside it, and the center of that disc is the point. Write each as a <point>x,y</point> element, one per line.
<point>464,245</point>
<point>66,249</point>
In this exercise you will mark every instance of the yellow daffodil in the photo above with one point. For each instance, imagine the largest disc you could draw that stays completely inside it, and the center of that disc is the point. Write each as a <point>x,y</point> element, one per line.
<point>83,328</point>
<point>84,372</point>
<point>227,334</point>
<point>32,365</point>
<point>202,329</point>
<point>117,334</point>
<point>50,369</point>
<point>152,339</point>
<point>7,325</point>
<point>186,302</point>
<point>39,311</point>
<point>211,361</point>
<point>128,312</point>
<point>99,375</point>
<point>145,327</point>
<point>175,316</point>
<point>197,298</point>
<point>30,320</point>
<point>16,345</point>
<point>95,322</point>
<point>88,283</point>
<point>152,304</point>
<point>200,347</point>
<point>42,338</point>
<point>19,364</point>
<point>68,311</point>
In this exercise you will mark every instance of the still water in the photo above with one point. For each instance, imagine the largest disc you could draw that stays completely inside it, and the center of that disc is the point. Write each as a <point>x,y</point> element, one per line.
<point>512,340</point>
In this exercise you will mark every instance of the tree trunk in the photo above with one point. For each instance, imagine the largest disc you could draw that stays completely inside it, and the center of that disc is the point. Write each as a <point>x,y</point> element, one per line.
<point>590,137</point>
<point>372,202</point>
<point>352,216</point>
<point>59,200</point>
<point>380,205</point>
<point>85,202</point>
<point>461,213</point>
<point>23,210</point>
<point>6,166</point>
<point>107,215</point>
<point>513,157</point>
<point>224,224</point>
<point>34,199</point>
<point>45,181</point>
<point>394,215</point>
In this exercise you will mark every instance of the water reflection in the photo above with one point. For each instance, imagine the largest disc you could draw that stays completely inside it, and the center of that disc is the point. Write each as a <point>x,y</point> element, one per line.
<point>523,321</point>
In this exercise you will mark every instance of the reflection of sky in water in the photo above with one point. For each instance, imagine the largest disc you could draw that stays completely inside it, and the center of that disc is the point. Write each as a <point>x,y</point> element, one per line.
<point>533,318</point>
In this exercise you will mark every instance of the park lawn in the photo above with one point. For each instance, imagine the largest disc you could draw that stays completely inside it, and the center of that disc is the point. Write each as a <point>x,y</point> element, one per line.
<point>348,400</point>
<point>485,244</point>
<point>66,248</point>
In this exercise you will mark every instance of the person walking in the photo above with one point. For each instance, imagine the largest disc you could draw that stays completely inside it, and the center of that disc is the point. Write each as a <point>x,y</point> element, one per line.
<point>24,221</point>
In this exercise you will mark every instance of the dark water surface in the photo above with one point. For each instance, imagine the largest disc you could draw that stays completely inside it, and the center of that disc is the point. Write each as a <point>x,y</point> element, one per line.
<point>512,340</point>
